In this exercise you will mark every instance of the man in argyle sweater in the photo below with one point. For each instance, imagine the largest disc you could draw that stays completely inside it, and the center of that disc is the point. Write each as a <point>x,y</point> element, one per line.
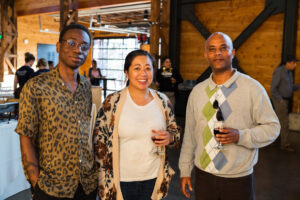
<point>249,121</point>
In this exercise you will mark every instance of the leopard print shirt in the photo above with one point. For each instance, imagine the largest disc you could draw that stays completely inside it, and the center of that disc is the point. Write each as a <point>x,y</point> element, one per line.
<point>58,122</point>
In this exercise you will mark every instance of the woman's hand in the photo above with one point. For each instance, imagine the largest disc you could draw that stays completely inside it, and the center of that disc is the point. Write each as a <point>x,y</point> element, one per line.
<point>162,138</point>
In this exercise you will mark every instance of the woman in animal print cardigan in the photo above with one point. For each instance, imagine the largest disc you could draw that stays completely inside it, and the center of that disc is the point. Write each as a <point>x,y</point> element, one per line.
<point>122,136</point>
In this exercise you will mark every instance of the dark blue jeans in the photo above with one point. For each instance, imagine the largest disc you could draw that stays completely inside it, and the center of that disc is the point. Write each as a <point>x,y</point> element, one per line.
<point>137,190</point>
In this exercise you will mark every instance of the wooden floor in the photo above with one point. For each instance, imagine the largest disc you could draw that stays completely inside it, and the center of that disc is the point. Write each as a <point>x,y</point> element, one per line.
<point>277,174</point>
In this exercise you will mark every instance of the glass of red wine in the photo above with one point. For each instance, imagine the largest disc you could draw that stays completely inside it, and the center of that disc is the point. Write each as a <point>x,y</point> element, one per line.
<point>217,126</point>
<point>157,150</point>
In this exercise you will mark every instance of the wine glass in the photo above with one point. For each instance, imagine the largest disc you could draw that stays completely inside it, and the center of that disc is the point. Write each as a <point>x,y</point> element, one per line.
<point>217,126</point>
<point>157,150</point>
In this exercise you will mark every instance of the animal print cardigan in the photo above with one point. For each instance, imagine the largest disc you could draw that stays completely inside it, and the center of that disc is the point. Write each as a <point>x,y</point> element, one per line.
<point>107,147</point>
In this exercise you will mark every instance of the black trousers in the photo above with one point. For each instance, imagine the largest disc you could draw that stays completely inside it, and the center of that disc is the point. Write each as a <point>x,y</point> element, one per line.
<point>79,195</point>
<point>210,187</point>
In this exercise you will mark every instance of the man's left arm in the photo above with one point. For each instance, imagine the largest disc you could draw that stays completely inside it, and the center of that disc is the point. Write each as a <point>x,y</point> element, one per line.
<point>266,124</point>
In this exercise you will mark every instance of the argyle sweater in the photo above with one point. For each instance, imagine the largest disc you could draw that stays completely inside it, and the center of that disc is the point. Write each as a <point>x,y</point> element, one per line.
<point>246,107</point>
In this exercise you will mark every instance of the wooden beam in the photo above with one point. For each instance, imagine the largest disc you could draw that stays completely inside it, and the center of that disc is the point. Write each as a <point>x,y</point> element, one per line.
<point>154,28</point>
<point>8,48</point>
<point>188,13</point>
<point>10,65</point>
<point>73,17</point>
<point>53,6</point>
<point>165,27</point>
<point>11,55</point>
<point>251,28</point>
<point>199,1</point>
<point>272,7</point>
<point>107,3</point>
<point>289,40</point>
<point>9,41</point>
<point>278,4</point>
<point>64,11</point>
<point>2,41</point>
<point>174,46</point>
<point>68,16</point>
<point>160,28</point>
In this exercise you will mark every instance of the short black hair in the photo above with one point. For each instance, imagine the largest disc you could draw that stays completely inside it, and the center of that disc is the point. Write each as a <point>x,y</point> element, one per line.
<point>165,58</point>
<point>74,26</point>
<point>291,58</point>
<point>50,62</point>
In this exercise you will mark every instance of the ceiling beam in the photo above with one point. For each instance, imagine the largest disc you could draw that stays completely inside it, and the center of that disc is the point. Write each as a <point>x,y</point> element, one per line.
<point>198,1</point>
<point>53,6</point>
<point>290,28</point>
<point>111,10</point>
<point>68,16</point>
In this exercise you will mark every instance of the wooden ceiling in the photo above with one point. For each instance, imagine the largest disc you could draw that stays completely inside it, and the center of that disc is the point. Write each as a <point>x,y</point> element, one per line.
<point>138,21</point>
<point>120,19</point>
<point>130,15</point>
<point>33,7</point>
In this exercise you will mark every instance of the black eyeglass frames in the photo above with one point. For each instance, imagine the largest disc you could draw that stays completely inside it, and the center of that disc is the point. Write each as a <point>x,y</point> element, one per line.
<point>71,44</point>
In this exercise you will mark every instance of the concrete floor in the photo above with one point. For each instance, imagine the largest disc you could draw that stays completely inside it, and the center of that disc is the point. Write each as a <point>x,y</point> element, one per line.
<point>277,174</point>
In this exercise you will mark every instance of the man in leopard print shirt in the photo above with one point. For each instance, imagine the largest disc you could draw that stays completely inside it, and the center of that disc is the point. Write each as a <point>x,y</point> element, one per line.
<point>53,125</point>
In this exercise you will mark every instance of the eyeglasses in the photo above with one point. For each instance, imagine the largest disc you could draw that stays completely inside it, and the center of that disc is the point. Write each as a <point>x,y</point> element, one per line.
<point>71,44</point>
<point>219,115</point>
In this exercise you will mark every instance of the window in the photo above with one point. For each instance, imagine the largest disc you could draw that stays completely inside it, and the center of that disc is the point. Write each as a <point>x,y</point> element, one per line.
<point>110,56</point>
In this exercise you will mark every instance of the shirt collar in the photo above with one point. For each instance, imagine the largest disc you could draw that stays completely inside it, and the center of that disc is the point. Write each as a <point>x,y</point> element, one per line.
<point>227,84</point>
<point>58,77</point>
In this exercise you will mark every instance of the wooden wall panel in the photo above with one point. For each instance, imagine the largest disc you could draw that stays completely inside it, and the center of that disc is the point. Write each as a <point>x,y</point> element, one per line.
<point>261,53</point>
<point>192,61</point>
<point>258,56</point>
<point>29,28</point>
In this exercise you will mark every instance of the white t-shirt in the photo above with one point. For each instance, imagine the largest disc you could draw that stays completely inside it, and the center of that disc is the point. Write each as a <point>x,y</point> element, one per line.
<point>137,162</point>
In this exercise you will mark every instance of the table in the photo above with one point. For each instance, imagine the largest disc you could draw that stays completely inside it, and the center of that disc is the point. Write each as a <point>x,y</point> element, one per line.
<point>12,179</point>
<point>105,83</point>
<point>8,107</point>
